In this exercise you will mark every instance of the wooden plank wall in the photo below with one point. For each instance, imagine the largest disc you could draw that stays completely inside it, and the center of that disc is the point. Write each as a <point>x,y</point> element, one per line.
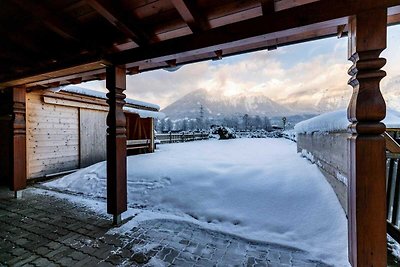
<point>52,137</point>
<point>93,136</point>
<point>65,135</point>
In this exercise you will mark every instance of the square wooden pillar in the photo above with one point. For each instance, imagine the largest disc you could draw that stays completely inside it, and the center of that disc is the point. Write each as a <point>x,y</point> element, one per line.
<point>18,139</point>
<point>366,191</point>
<point>116,143</point>
<point>13,138</point>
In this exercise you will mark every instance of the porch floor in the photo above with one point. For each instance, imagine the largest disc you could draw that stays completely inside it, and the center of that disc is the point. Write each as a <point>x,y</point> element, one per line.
<point>44,230</point>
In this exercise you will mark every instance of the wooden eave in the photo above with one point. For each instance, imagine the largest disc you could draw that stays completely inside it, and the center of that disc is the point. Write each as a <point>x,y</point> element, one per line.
<point>85,99</point>
<point>147,35</point>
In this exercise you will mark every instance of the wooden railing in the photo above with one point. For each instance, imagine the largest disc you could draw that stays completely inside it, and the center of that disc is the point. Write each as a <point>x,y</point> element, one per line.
<point>181,137</point>
<point>393,183</point>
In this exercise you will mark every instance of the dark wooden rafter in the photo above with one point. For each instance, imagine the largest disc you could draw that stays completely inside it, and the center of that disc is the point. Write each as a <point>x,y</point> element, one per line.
<point>316,15</point>
<point>268,6</point>
<point>115,14</point>
<point>341,31</point>
<point>133,70</point>
<point>77,80</point>
<point>63,25</point>
<point>218,54</point>
<point>367,173</point>
<point>191,15</point>
<point>17,48</point>
<point>50,19</point>
<point>171,63</point>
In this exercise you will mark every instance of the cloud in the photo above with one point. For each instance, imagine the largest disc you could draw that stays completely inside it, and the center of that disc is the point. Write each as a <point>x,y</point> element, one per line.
<point>312,75</point>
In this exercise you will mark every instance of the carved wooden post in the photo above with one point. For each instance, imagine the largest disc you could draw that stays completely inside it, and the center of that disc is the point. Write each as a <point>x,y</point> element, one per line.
<point>18,140</point>
<point>367,207</point>
<point>116,143</point>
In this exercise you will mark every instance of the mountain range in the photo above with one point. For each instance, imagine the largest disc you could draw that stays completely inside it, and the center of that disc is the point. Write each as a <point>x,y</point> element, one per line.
<point>217,106</point>
<point>221,106</point>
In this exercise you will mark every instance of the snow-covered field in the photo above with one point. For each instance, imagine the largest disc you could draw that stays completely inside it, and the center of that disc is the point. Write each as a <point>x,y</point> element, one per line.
<point>260,189</point>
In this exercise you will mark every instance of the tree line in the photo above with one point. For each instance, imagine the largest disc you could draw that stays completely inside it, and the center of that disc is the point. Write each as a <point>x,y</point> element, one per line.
<point>240,122</point>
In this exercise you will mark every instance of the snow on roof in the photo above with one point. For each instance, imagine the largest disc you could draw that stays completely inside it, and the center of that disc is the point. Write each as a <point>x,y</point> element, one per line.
<point>145,113</point>
<point>337,121</point>
<point>93,93</point>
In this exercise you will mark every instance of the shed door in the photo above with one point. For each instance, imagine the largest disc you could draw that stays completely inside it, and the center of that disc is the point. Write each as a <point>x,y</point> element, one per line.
<point>92,136</point>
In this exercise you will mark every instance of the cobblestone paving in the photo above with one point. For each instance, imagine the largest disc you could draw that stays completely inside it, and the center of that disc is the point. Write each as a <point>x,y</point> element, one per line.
<point>42,230</point>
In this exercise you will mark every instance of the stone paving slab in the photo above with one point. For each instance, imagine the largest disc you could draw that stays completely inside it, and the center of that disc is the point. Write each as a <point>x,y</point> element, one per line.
<point>43,230</point>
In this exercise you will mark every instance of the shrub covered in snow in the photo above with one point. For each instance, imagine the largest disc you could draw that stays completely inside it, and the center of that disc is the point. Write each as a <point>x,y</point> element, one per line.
<point>290,134</point>
<point>259,134</point>
<point>223,132</point>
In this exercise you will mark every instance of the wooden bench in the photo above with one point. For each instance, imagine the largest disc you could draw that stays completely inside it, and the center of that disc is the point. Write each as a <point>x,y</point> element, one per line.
<point>138,144</point>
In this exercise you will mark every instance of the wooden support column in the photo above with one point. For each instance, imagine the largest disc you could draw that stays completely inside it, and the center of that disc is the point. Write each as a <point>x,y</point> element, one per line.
<point>116,143</point>
<point>366,191</point>
<point>18,151</point>
<point>152,137</point>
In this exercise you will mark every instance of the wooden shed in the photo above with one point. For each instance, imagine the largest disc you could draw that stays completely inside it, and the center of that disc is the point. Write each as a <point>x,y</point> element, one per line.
<point>66,129</point>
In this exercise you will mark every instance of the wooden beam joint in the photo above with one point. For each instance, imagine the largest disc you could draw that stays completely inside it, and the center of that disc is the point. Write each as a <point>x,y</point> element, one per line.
<point>190,14</point>
<point>116,16</point>
<point>268,7</point>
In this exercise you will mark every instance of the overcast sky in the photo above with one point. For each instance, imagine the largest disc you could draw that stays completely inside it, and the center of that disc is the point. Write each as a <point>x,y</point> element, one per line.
<point>299,73</point>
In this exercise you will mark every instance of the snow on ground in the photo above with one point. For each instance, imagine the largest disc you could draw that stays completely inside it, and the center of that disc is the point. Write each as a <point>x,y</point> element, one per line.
<point>260,189</point>
<point>394,247</point>
<point>337,121</point>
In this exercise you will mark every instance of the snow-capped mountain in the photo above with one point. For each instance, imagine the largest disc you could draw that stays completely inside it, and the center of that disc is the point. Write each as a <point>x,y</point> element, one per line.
<point>217,106</point>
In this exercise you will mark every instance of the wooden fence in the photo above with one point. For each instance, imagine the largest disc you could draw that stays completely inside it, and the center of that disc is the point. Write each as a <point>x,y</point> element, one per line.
<point>393,184</point>
<point>180,137</point>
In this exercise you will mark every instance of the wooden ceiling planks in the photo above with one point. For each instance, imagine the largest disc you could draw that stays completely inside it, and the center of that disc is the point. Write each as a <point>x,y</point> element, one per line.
<point>145,34</point>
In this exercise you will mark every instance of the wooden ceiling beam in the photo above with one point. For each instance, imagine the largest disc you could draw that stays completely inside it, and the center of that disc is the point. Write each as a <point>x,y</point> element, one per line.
<point>64,26</point>
<point>253,47</point>
<point>117,17</point>
<point>286,4</point>
<point>313,16</point>
<point>191,15</point>
<point>58,73</point>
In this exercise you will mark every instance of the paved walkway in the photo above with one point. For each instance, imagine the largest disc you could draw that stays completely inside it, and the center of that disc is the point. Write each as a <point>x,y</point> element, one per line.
<point>43,230</point>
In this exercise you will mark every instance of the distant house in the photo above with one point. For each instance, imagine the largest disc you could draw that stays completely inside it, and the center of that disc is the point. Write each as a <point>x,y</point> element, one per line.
<point>66,129</point>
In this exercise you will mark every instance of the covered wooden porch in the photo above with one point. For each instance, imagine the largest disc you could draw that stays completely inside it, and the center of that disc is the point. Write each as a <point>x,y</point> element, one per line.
<point>48,44</point>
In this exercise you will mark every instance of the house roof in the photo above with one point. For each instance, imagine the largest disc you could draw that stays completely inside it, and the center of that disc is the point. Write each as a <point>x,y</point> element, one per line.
<point>51,43</point>
<point>81,97</point>
<point>97,94</point>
